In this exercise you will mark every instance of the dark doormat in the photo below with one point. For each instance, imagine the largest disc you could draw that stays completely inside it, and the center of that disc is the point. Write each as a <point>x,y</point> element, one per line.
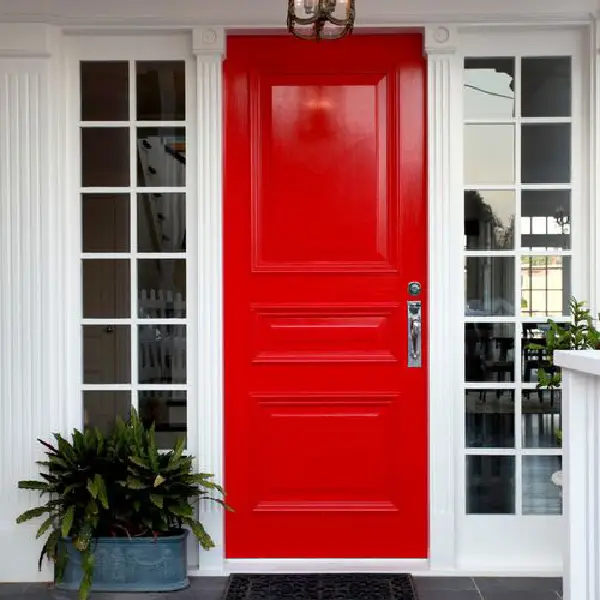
<point>325,586</point>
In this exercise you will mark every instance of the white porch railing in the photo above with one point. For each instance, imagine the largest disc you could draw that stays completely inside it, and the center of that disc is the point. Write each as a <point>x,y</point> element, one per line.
<point>581,472</point>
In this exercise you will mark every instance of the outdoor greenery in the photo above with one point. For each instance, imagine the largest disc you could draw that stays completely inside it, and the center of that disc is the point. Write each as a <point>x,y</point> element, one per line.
<point>115,485</point>
<point>579,334</point>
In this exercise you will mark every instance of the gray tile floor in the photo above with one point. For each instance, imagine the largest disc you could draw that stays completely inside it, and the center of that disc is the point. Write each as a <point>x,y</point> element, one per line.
<point>429,588</point>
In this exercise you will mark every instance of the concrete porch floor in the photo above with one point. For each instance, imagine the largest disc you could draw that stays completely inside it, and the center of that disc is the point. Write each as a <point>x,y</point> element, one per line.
<point>429,588</point>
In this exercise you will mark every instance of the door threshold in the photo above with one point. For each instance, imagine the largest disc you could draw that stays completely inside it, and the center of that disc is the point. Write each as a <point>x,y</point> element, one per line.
<point>325,565</point>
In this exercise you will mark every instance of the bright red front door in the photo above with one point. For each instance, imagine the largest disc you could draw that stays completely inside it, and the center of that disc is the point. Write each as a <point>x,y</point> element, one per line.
<point>325,227</point>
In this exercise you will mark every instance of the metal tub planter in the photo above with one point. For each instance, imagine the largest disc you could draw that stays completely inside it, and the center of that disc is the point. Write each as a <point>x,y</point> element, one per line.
<point>137,564</point>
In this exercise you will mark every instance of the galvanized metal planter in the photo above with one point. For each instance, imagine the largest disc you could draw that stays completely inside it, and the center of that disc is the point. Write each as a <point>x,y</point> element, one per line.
<point>142,564</point>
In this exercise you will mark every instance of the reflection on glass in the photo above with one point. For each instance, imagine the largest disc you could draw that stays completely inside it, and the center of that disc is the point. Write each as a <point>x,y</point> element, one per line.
<point>489,154</point>
<point>104,157</point>
<point>102,407</point>
<point>167,410</point>
<point>106,354</point>
<point>161,289</point>
<point>546,153</point>
<point>162,354</point>
<point>105,222</point>
<point>546,219</point>
<point>489,220</point>
<point>106,289</point>
<point>104,91</point>
<point>161,156</point>
<point>490,418</point>
<point>489,88</point>
<point>542,418</point>
<point>161,222</point>
<point>545,285</point>
<point>546,87</point>
<point>160,90</point>
<point>489,352</point>
<point>536,357</point>
<point>489,286</point>
<point>490,485</point>
<point>540,495</point>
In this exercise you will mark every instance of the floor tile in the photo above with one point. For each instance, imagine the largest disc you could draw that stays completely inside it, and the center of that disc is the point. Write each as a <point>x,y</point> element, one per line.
<point>449,595</point>
<point>521,595</point>
<point>538,584</point>
<point>444,583</point>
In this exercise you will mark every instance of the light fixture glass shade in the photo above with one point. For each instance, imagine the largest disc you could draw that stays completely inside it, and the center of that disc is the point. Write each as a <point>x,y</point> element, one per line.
<point>320,19</point>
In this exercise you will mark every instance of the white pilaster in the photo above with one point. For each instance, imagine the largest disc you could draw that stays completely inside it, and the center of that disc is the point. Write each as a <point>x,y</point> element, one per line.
<point>593,169</point>
<point>209,48</point>
<point>32,313</point>
<point>445,272</point>
<point>581,473</point>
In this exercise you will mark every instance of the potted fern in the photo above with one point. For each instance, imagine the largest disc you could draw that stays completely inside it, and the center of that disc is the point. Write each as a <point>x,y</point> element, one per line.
<point>118,510</point>
<point>579,334</point>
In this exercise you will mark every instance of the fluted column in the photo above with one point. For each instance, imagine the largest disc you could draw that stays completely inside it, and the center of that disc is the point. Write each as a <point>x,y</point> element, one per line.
<point>445,303</point>
<point>32,292</point>
<point>209,48</point>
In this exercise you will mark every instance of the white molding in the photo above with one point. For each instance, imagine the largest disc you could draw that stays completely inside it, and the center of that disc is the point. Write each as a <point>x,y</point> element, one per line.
<point>444,119</point>
<point>209,42</point>
<point>271,13</point>
<point>27,40</point>
<point>582,361</point>
<point>210,282</point>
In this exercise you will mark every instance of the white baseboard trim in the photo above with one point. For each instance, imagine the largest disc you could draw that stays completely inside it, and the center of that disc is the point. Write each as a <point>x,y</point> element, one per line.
<point>415,567</point>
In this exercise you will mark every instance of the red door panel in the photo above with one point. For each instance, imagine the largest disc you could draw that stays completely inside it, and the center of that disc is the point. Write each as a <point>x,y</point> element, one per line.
<point>324,228</point>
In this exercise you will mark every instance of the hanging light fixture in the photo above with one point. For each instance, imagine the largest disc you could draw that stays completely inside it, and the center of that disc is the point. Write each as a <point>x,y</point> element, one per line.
<point>320,19</point>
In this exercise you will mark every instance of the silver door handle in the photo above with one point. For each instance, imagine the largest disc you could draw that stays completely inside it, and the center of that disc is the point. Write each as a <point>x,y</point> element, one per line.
<point>414,333</point>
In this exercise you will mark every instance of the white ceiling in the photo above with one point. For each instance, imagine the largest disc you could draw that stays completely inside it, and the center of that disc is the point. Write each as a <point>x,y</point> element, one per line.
<point>271,13</point>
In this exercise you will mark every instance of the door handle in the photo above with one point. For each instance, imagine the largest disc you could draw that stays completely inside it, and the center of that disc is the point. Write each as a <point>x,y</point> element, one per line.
<point>414,333</point>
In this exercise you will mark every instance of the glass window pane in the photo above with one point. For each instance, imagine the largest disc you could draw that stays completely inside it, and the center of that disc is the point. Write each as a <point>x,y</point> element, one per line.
<point>105,222</point>
<point>104,91</point>
<point>106,289</point>
<point>489,88</point>
<point>161,222</point>
<point>168,411</point>
<point>105,157</point>
<point>161,289</point>
<point>106,354</point>
<point>546,87</point>
<point>489,352</point>
<point>489,286</point>
<point>489,154</point>
<point>534,358</point>
<point>161,90</point>
<point>162,354</point>
<point>490,485</point>
<point>490,418</point>
<point>546,153</point>
<point>161,156</point>
<point>101,408</point>
<point>546,286</point>
<point>489,220</point>
<point>542,418</point>
<point>540,495</point>
<point>546,219</point>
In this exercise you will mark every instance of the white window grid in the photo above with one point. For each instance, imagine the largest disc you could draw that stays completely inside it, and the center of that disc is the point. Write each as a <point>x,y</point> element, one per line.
<point>134,322</point>
<point>519,451</point>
